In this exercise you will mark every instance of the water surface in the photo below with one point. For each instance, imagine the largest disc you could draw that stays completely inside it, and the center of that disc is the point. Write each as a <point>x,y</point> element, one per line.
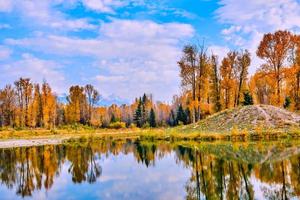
<point>98,169</point>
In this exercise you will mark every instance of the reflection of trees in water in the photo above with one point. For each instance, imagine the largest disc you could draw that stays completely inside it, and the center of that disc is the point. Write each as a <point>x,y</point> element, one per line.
<point>84,166</point>
<point>32,168</point>
<point>213,176</point>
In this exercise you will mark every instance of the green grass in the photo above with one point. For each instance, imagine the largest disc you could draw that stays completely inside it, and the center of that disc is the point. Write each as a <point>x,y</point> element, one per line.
<point>181,133</point>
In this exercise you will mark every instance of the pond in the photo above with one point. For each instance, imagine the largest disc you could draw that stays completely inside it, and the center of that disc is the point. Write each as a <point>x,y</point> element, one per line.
<point>128,169</point>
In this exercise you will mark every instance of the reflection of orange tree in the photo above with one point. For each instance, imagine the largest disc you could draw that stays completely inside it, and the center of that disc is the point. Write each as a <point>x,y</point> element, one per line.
<point>216,178</point>
<point>217,171</point>
<point>83,164</point>
<point>284,173</point>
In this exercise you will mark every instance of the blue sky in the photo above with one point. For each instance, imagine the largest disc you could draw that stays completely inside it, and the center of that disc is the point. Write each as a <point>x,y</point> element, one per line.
<point>128,47</point>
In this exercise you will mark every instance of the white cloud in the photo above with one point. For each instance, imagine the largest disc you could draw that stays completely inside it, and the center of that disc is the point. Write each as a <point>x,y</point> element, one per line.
<point>133,56</point>
<point>220,51</point>
<point>268,14</point>
<point>36,69</point>
<point>249,20</point>
<point>5,5</point>
<point>104,6</point>
<point>44,13</point>
<point>4,53</point>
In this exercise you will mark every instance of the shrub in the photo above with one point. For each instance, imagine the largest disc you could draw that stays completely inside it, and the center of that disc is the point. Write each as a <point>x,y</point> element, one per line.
<point>132,126</point>
<point>117,125</point>
<point>146,125</point>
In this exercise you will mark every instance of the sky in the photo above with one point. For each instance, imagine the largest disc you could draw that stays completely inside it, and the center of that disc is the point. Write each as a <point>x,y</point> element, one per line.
<point>128,47</point>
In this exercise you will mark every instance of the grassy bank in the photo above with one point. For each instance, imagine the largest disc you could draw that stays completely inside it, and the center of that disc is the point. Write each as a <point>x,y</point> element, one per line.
<point>168,134</point>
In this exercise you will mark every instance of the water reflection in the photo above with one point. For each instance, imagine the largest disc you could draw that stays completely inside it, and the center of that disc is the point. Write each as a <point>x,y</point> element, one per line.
<point>217,170</point>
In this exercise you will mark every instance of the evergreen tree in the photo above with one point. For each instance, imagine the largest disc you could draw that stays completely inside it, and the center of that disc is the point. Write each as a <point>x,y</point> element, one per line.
<point>138,115</point>
<point>152,120</point>
<point>188,116</point>
<point>181,115</point>
<point>113,119</point>
<point>144,99</point>
<point>287,102</point>
<point>248,100</point>
<point>172,119</point>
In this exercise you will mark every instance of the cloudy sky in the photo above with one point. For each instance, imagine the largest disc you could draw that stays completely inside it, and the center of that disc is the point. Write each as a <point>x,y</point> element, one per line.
<point>127,47</point>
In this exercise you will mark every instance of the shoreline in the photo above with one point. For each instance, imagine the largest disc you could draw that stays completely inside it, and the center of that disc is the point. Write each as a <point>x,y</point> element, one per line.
<point>38,137</point>
<point>14,143</point>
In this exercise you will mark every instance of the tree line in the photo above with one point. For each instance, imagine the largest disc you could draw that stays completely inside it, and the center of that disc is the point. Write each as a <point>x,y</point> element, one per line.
<point>208,86</point>
<point>34,105</point>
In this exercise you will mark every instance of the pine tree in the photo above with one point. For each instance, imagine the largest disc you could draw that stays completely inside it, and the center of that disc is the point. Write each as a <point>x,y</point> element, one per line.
<point>248,100</point>
<point>287,102</point>
<point>152,120</point>
<point>188,116</point>
<point>138,115</point>
<point>181,115</point>
<point>113,119</point>
<point>172,119</point>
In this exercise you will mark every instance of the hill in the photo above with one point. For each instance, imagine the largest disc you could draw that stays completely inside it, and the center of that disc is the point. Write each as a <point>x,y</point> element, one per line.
<point>248,117</point>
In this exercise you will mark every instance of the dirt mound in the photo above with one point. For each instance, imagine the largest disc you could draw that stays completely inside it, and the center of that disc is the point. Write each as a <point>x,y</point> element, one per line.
<point>249,117</point>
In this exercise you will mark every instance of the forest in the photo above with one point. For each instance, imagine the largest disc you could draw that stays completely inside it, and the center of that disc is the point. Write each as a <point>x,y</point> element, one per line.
<point>209,85</point>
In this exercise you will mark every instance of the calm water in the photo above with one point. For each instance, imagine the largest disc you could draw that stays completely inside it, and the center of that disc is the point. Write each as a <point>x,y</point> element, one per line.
<point>95,169</point>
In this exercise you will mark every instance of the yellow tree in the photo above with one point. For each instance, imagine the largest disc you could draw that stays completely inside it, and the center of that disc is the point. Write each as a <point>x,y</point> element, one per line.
<point>7,106</point>
<point>227,73</point>
<point>93,97</point>
<point>188,73</point>
<point>76,105</point>
<point>215,83</point>
<point>36,107</point>
<point>262,87</point>
<point>296,70</point>
<point>24,95</point>
<point>274,49</point>
<point>49,105</point>
<point>243,63</point>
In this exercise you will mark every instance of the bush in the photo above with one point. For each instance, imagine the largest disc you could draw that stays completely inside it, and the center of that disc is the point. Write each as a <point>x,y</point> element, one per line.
<point>146,125</point>
<point>117,125</point>
<point>132,126</point>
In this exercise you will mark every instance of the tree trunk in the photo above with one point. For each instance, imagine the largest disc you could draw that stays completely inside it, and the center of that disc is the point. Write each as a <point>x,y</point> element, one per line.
<point>278,91</point>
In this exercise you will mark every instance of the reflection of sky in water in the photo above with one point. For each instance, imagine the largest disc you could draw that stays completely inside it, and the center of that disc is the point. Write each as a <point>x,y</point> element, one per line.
<point>122,178</point>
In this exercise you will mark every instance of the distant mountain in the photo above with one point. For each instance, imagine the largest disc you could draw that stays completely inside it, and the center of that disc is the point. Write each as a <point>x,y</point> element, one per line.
<point>62,98</point>
<point>112,99</point>
<point>104,101</point>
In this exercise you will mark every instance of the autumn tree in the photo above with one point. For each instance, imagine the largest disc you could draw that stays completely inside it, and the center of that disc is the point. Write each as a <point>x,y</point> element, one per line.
<point>202,81</point>
<point>37,107</point>
<point>76,105</point>
<point>24,95</point>
<point>7,105</point>
<point>229,64</point>
<point>188,70</point>
<point>215,83</point>
<point>92,98</point>
<point>262,87</point>
<point>294,71</point>
<point>274,49</point>
<point>243,63</point>
<point>48,105</point>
